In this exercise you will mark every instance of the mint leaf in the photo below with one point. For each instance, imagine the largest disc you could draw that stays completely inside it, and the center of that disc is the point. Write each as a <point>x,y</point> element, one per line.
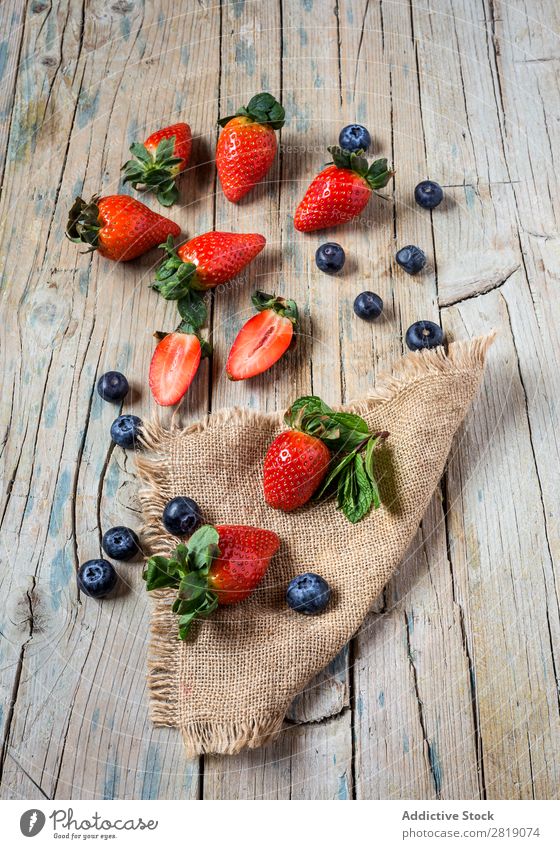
<point>370,471</point>
<point>192,586</point>
<point>203,547</point>
<point>192,309</point>
<point>336,470</point>
<point>161,572</point>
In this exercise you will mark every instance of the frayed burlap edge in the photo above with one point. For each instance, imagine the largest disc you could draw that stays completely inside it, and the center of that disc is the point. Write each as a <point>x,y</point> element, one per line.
<point>163,655</point>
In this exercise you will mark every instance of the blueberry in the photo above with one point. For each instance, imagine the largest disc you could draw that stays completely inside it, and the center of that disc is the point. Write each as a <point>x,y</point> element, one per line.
<point>330,257</point>
<point>368,305</point>
<point>97,578</point>
<point>354,137</point>
<point>424,334</point>
<point>125,430</point>
<point>308,593</point>
<point>428,194</point>
<point>181,516</point>
<point>411,258</point>
<point>112,386</point>
<point>120,543</point>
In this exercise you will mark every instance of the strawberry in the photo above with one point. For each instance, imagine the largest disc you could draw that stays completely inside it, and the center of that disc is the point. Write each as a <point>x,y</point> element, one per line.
<point>264,338</point>
<point>247,146</point>
<point>322,454</point>
<point>204,262</point>
<point>294,467</point>
<point>174,364</point>
<point>118,226</point>
<point>219,565</point>
<point>158,161</point>
<point>341,190</point>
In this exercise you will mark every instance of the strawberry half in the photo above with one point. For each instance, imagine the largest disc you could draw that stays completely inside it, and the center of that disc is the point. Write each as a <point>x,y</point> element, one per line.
<point>205,262</point>
<point>219,565</point>
<point>247,146</point>
<point>174,364</point>
<point>158,162</point>
<point>118,226</point>
<point>341,191</point>
<point>264,338</point>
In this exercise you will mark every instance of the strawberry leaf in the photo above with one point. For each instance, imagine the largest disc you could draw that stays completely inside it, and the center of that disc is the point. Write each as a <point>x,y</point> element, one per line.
<point>203,547</point>
<point>161,572</point>
<point>192,309</point>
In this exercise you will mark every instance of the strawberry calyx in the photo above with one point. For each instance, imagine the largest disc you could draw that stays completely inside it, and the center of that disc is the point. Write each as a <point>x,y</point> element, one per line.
<point>376,175</point>
<point>174,278</point>
<point>83,222</point>
<point>351,474</point>
<point>157,171</point>
<point>263,108</point>
<point>187,572</point>
<point>283,306</point>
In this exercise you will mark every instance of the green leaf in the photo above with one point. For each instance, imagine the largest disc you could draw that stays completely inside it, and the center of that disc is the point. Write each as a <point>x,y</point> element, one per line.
<point>168,196</point>
<point>140,152</point>
<point>192,308</point>
<point>161,572</point>
<point>203,547</point>
<point>370,471</point>
<point>192,586</point>
<point>337,470</point>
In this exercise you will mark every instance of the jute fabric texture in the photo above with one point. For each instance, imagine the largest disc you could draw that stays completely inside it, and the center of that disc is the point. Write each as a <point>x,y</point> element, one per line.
<point>229,686</point>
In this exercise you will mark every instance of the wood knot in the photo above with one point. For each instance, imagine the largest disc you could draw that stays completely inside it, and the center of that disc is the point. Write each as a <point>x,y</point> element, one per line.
<point>39,7</point>
<point>49,61</point>
<point>122,7</point>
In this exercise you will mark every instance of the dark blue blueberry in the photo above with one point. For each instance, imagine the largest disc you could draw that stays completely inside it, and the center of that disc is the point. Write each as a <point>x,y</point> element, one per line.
<point>368,305</point>
<point>120,543</point>
<point>181,516</point>
<point>125,430</point>
<point>354,137</point>
<point>97,578</point>
<point>330,257</point>
<point>112,386</point>
<point>308,593</point>
<point>424,334</point>
<point>428,194</point>
<point>411,258</point>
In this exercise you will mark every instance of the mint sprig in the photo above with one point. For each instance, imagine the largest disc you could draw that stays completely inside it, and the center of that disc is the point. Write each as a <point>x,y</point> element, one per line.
<point>351,475</point>
<point>187,572</point>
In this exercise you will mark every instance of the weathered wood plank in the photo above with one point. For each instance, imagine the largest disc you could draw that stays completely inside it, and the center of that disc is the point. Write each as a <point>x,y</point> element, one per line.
<point>80,724</point>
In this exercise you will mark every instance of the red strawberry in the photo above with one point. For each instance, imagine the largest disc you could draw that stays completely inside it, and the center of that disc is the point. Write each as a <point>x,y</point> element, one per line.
<point>294,468</point>
<point>174,364</point>
<point>159,161</point>
<point>118,226</point>
<point>264,338</point>
<point>247,146</point>
<point>221,565</point>
<point>245,554</point>
<point>205,261</point>
<point>341,191</point>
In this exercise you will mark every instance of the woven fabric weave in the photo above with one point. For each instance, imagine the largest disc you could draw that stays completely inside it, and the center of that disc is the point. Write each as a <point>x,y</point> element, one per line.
<point>230,685</point>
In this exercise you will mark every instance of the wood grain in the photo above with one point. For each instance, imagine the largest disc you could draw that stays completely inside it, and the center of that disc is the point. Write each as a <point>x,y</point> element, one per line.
<point>451,688</point>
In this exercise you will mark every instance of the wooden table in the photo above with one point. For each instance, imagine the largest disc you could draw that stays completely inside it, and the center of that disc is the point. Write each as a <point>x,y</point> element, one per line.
<point>450,689</point>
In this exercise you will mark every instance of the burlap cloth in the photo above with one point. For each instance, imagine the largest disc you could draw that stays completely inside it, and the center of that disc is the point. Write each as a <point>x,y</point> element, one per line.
<point>229,686</point>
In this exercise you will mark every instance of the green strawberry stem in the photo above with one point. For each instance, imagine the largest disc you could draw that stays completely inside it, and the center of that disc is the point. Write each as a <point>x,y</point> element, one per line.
<point>174,278</point>
<point>352,474</point>
<point>263,108</point>
<point>283,306</point>
<point>377,175</point>
<point>186,571</point>
<point>156,172</point>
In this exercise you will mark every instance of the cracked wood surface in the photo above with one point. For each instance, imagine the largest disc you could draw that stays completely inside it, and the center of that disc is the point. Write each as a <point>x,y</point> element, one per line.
<point>450,689</point>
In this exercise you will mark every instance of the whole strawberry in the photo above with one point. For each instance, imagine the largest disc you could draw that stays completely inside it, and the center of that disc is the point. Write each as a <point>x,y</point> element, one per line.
<point>323,453</point>
<point>341,190</point>
<point>247,146</point>
<point>204,262</point>
<point>294,467</point>
<point>158,162</point>
<point>118,226</point>
<point>219,565</point>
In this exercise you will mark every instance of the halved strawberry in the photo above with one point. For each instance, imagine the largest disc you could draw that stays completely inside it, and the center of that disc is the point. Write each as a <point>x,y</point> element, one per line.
<point>174,365</point>
<point>264,338</point>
